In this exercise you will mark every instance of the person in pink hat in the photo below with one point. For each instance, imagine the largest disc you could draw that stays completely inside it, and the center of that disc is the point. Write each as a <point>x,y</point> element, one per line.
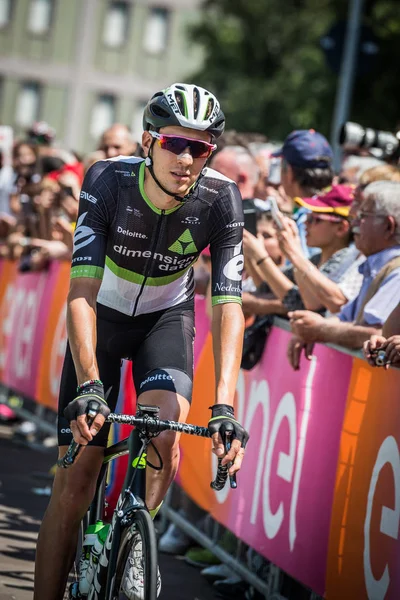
<point>330,278</point>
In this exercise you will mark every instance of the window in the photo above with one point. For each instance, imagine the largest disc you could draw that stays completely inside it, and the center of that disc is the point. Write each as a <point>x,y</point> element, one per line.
<point>5,13</point>
<point>103,115</point>
<point>39,16</point>
<point>28,102</point>
<point>156,31</point>
<point>116,24</point>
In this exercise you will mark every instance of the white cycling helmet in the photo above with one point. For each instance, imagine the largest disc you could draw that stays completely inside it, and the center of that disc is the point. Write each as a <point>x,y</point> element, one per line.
<point>185,105</point>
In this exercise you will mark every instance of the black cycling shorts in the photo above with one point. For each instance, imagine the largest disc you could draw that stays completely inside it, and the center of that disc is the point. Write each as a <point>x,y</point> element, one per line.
<point>160,345</point>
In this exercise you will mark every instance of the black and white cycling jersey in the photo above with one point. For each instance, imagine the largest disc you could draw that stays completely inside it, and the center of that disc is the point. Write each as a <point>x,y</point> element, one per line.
<point>143,254</point>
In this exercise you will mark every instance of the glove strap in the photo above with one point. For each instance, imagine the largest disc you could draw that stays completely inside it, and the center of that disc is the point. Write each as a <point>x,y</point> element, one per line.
<point>88,383</point>
<point>222,410</point>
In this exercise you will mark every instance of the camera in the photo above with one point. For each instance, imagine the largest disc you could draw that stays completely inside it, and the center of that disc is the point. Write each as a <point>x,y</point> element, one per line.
<point>379,357</point>
<point>353,135</point>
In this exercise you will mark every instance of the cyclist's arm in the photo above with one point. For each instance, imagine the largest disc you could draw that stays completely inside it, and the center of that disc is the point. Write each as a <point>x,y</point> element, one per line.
<point>227,333</point>
<point>81,327</point>
<point>227,261</point>
<point>97,204</point>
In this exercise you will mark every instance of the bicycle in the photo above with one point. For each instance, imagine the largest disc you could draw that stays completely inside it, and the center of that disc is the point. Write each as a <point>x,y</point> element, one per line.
<point>131,516</point>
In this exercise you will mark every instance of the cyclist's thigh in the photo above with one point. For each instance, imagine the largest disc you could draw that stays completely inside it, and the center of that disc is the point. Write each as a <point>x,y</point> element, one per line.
<point>164,360</point>
<point>110,371</point>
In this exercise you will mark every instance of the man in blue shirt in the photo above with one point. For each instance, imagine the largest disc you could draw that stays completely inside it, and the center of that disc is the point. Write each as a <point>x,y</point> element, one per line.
<point>377,236</point>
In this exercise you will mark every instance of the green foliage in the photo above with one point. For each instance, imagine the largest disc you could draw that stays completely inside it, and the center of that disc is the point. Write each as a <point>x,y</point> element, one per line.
<point>264,61</point>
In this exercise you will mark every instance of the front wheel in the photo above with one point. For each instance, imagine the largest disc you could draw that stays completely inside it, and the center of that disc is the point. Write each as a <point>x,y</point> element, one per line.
<point>136,573</point>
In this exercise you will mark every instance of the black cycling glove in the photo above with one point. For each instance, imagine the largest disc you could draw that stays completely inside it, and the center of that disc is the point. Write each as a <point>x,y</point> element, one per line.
<point>79,406</point>
<point>223,421</point>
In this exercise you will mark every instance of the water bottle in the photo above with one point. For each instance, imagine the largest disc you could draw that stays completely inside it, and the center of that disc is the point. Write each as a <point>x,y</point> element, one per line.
<point>86,573</point>
<point>95,553</point>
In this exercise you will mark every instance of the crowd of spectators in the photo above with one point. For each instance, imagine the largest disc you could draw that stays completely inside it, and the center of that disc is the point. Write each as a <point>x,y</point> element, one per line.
<point>40,184</point>
<point>321,249</point>
<point>329,261</point>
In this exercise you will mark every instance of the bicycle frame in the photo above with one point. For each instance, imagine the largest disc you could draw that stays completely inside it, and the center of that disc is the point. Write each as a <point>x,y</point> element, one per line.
<point>130,499</point>
<point>133,493</point>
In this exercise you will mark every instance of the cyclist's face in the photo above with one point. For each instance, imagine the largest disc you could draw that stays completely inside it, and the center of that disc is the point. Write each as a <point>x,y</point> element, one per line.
<point>177,173</point>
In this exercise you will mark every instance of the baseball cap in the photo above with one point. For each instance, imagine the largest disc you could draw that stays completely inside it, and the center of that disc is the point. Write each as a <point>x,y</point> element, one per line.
<point>306,148</point>
<point>334,200</point>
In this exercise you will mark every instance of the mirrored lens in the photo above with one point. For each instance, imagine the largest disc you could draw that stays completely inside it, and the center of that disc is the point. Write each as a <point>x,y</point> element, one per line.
<point>178,145</point>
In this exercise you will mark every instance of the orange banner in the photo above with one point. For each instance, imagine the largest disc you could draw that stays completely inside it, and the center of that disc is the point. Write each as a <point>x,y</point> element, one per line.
<point>8,274</point>
<point>364,551</point>
<point>54,343</point>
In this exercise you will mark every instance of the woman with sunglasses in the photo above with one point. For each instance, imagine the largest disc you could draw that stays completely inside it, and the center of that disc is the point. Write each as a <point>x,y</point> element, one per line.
<point>141,226</point>
<point>331,278</point>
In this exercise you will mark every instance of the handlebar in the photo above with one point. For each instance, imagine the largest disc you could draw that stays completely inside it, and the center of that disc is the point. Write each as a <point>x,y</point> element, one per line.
<point>151,426</point>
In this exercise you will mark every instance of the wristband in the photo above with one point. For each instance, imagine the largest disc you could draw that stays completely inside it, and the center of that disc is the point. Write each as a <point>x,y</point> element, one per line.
<point>261,260</point>
<point>87,383</point>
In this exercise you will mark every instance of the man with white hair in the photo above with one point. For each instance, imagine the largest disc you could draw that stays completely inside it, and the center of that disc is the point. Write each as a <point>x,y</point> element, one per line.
<point>377,235</point>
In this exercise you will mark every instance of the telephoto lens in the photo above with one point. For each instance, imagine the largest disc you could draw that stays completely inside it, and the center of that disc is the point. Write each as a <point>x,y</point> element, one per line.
<point>355,136</point>
<point>380,358</point>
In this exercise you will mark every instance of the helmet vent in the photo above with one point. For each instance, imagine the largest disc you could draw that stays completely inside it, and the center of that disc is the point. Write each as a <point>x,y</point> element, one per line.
<point>181,102</point>
<point>159,112</point>
<point>209,109</point>
<point>196,102</point>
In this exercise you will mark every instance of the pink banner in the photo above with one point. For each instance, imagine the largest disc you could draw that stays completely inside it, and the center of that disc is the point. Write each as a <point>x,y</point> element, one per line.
<point>27,320</point>
<point>294,420</point>
<point>27,324</point>
<point>318,493</point>
<point>282,506</point>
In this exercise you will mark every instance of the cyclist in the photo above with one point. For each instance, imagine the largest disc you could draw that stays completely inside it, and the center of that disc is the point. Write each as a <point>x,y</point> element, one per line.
<point>141,226</point>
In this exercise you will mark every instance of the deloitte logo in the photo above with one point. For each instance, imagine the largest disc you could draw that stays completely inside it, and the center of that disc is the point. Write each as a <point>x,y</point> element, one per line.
<point>184,244</point>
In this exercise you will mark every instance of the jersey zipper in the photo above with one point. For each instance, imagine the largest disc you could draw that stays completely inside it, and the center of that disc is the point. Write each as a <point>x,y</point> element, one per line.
<point>153,247</point>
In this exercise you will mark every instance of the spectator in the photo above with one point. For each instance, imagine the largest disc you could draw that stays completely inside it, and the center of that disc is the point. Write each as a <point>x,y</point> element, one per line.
<point>383,172</point>
<point>262,153</point>
<point>377,226</point>
<point>329,281</point>
<point>41,133</point>
<point>389,341</point>
<point>117,140</point>
<point>306,170</point>
<point>306,163</point>
<point>257,298</point>
<point>337,279</point>
<point>354,167</point>
<point>238,164</point>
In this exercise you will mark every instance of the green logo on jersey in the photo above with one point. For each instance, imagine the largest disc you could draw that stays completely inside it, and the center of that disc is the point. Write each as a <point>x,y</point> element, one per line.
<point>184,244</point>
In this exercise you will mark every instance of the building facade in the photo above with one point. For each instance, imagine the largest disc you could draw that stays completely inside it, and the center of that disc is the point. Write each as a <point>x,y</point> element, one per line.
<point>81,65</point>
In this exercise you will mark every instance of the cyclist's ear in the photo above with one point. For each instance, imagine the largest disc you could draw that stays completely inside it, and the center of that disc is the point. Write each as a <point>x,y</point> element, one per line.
<point>146,142</point>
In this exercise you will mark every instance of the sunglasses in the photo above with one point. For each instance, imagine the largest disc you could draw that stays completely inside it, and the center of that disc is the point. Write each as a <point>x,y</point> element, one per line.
<point>318,219</point>
<point>177,144</point>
